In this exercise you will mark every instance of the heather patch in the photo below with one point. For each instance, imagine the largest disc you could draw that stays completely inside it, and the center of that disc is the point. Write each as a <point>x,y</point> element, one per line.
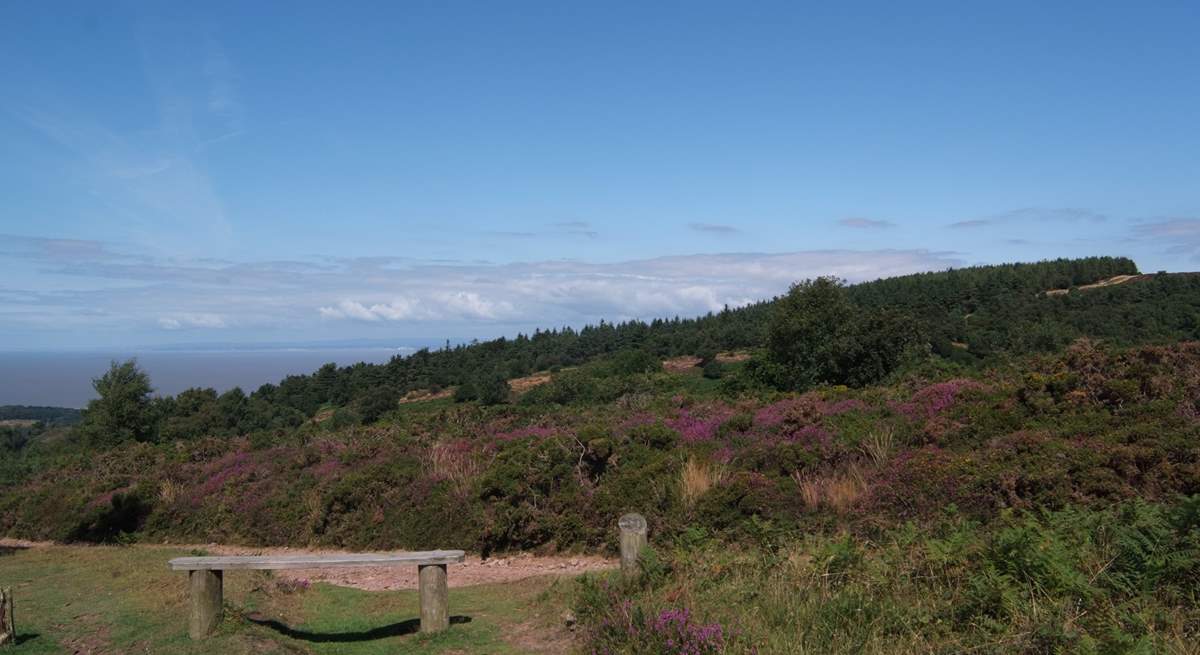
<point>535,432</point>
<point>1072,431</point>
<point>699,424</point>
<point>936,398</point>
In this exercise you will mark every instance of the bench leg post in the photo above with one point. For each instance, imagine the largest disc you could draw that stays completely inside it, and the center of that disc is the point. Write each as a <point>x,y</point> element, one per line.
<point>435,612</point>
<point>205,591</point>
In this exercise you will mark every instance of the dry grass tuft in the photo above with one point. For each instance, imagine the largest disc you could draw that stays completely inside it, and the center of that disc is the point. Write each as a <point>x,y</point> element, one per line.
<point>456,463</point>
<point>697,477</point>
<point>879,445</point>
<point>314,506</point>
<point>838,490</point>
<point>168,491</point>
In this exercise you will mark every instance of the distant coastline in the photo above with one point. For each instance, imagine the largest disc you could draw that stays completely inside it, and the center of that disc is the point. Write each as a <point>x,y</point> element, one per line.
<point>63,379</point>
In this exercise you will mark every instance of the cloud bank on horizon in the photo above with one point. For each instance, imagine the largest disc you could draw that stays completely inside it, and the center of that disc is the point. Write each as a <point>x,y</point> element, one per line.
<point>96,289</point>
<point>73,293</point>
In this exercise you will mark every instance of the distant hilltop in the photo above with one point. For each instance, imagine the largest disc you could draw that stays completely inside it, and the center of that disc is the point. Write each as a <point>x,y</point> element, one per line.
<point>27,415</point>
<point>1112,281</point>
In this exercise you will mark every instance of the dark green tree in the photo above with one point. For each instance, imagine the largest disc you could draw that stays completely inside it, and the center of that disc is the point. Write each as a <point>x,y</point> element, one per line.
<point>343,417</point>
<point>234,409</point>
<point>817,335</point>
<point>487,388</point>
<point>376,402</point>
<point>122,412</point>
<point>12,439</point>
<point>634,362</point>
<point>492,389</point>
<point>807,333</point>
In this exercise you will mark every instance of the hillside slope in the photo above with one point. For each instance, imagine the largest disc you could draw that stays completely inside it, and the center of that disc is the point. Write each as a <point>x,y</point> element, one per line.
<point>968,316</point>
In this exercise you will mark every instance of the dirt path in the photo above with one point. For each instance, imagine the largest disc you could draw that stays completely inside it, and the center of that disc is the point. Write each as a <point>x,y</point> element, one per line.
<point>5,542</point>
<point>473,571</point>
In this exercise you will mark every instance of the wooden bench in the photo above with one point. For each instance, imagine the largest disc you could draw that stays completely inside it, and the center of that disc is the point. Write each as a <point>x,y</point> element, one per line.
<point>205,576</point>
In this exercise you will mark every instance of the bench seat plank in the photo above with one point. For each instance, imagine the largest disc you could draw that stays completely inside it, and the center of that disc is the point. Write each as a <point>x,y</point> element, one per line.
<point>231,562</point>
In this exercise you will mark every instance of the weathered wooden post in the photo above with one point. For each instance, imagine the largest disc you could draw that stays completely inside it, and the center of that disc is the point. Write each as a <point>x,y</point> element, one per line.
<point>8,626</point>
<point>206,589</point>
<point>633,540</point>
<point>435,612</point>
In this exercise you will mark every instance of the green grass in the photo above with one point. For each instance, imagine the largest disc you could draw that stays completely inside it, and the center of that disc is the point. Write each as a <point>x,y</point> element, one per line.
<point>125,600</point>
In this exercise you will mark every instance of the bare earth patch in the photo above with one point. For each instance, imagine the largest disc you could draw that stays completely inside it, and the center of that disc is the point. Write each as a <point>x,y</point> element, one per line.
<point>425,394</point>
<point>680,364</point>
<point>687,363</point>
<point>521,385</point>
<point>1112,281</point>
<point>95,642</point>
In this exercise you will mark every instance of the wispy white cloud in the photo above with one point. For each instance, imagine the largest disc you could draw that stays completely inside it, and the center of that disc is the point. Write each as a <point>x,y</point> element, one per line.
<point>1035,214</point>
<point>1176,236</point>
<point>554,230</point>
<point>207,143</point>
<point>1182,228</point>
<point>180,321</point>
<point>149,181</point>
<point>975,222</point>
<point>866,223</point>
<point>572,291</point>
<point>222,82</point>
<point>713,228</point>
<point>510,234</point>
<point>58,250</point>
<point>574,229</point>
<point>1057,214</point>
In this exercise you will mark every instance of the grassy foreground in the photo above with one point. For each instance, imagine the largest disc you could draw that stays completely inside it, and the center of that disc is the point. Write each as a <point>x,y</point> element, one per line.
<point>124,600</point>
<point>1119,581</point>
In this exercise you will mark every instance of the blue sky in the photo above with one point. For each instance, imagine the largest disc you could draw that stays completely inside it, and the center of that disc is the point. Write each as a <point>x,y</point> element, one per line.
<point>239,172</point>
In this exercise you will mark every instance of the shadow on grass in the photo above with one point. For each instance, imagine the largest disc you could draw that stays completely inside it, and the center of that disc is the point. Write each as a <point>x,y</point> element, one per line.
<point>126,514</point>
<point>28,636</point>
<point>9,550</point>
<point>409,627</point>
